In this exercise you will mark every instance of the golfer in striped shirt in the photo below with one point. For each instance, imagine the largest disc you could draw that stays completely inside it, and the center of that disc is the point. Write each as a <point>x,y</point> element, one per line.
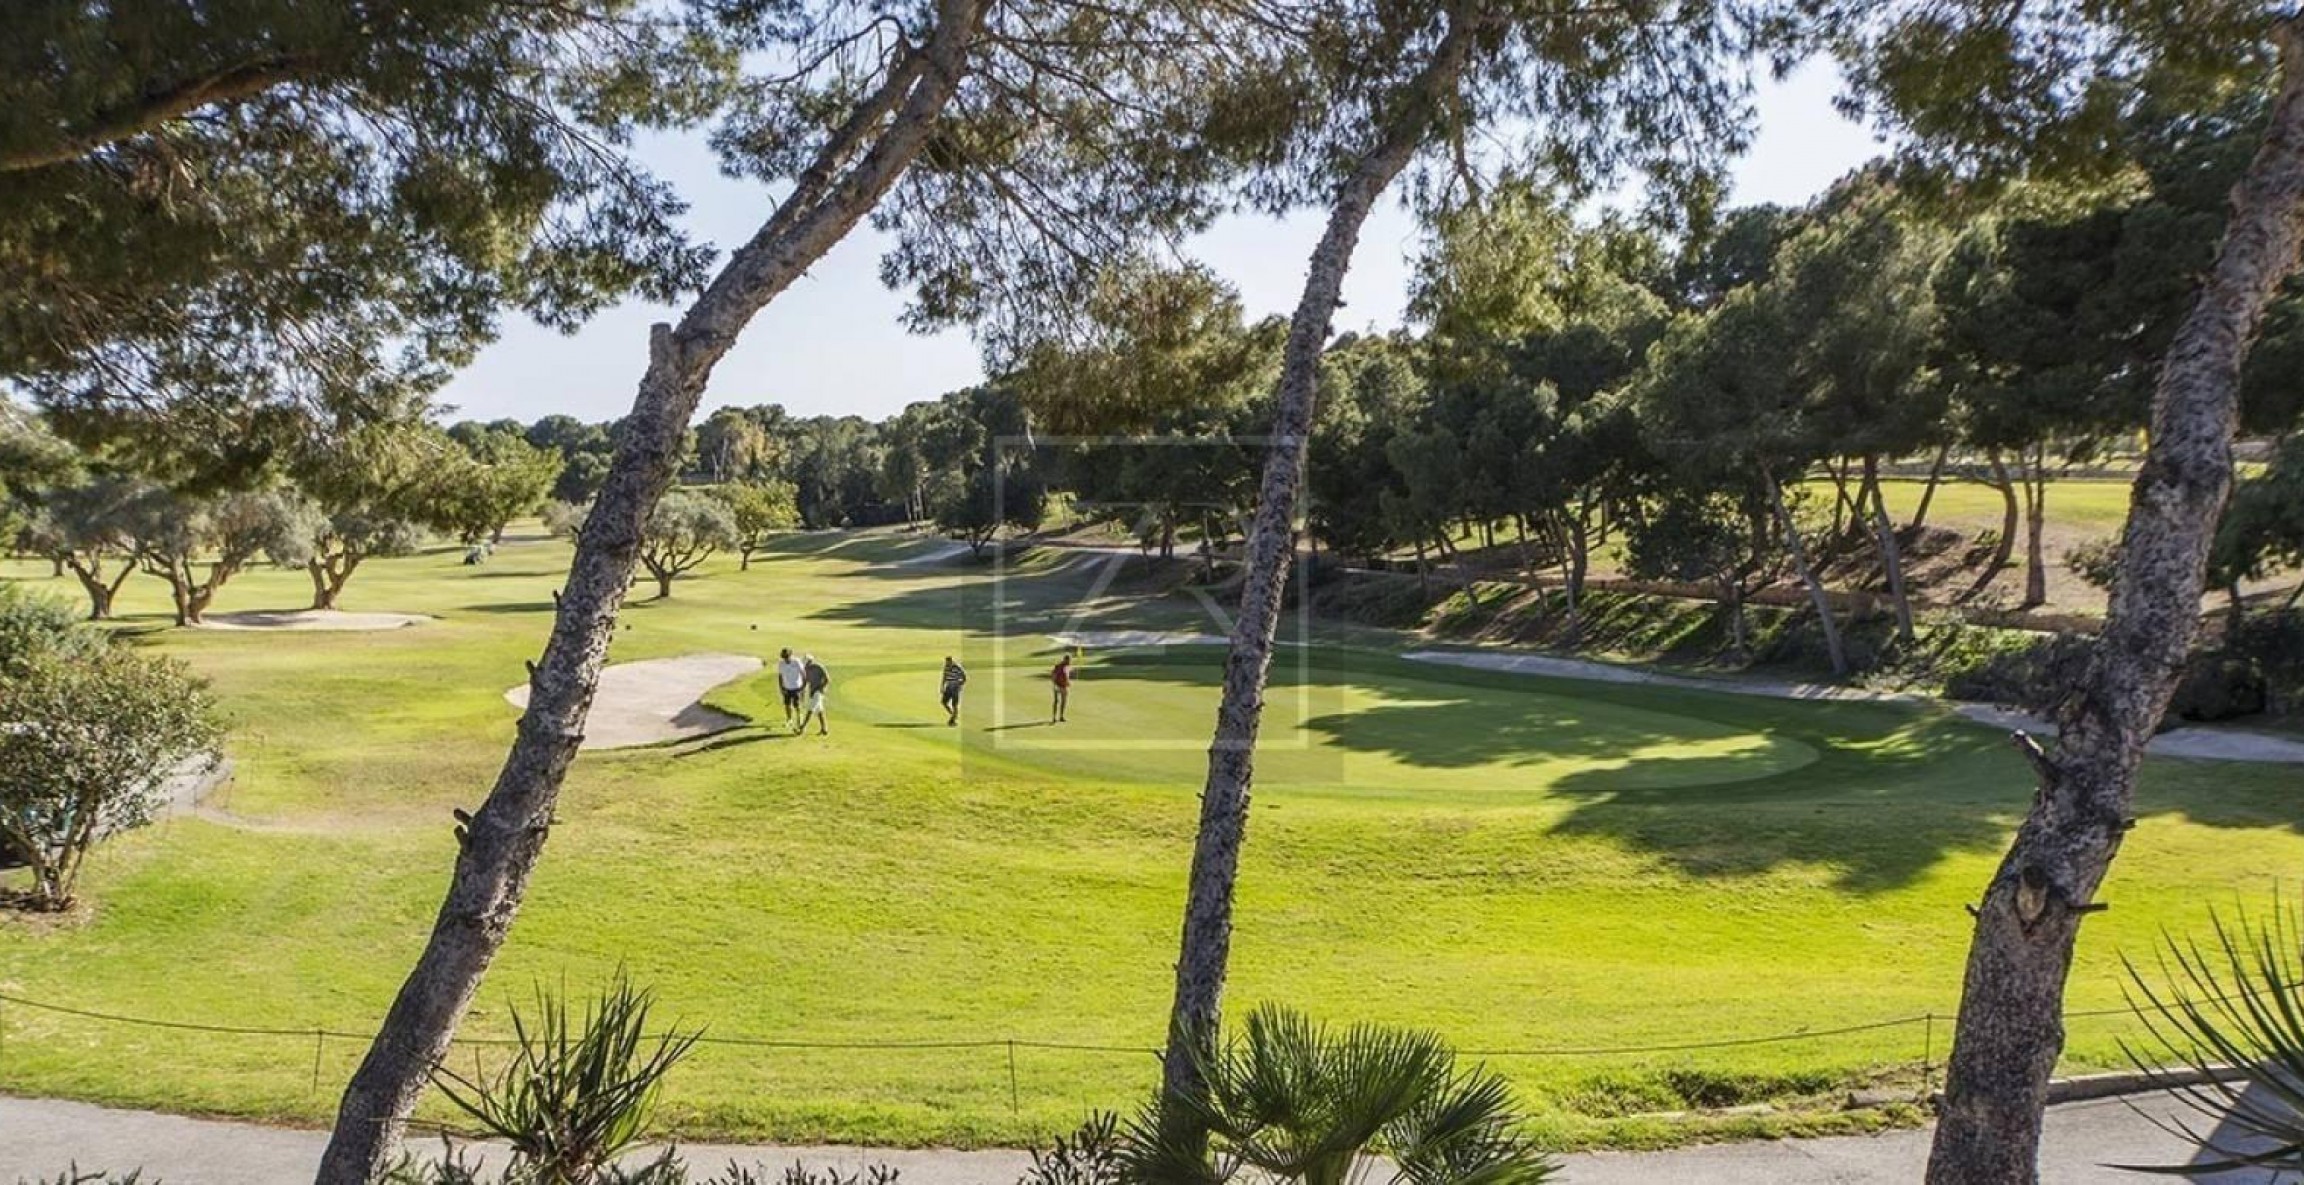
<point>955,678</point>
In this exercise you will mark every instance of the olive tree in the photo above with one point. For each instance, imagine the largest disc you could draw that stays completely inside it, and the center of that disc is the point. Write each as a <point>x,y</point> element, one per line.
<point>760,511</point>
<point>89,731</point>
<point>83,525</point>
<point>682,532</point>
<point>198,543</point>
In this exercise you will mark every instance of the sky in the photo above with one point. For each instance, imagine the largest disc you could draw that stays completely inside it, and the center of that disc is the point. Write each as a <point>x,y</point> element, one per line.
<point>833,343</point>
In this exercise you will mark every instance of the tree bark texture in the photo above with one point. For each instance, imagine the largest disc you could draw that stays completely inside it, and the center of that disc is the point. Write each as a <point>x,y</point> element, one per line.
<point>1206,944</point>
<point>499,848</point>
<point>2011,1028</point>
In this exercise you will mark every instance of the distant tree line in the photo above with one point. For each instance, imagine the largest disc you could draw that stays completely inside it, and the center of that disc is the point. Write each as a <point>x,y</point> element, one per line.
<point>326,505</point>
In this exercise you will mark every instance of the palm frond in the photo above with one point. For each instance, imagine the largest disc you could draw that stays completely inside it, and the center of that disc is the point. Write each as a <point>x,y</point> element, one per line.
<point>2224,1036</point>
<point>579,1089</point>
<point>1290,1099</point>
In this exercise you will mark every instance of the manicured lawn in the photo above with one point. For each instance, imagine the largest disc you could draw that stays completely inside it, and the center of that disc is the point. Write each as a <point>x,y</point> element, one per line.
<point>2089,506</point>
<point>1523,864</point>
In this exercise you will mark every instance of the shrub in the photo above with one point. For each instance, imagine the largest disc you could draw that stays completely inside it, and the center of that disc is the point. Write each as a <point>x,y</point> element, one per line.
<point>35,625</point>
<point>88,734</point>
<point>2219,686</point>
<point>2096,562</point>
<point>2275,643</point>
<point>2033,677</point>
<point>1089,1156</point>
<point>578,1090</point>
<point>566,519</point>
<point>1294,1101</point>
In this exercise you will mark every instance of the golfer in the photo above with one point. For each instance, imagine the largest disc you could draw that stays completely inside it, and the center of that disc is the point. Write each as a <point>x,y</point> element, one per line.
<point>790,676</point>
<point>814,677</point>
<point>955,678</point>
<point>1061,676</point>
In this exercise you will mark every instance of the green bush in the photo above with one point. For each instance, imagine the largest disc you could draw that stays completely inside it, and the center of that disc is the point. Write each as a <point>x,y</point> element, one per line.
<point>2219,686</point>
<point>88,733</point>
<point>32,625</point>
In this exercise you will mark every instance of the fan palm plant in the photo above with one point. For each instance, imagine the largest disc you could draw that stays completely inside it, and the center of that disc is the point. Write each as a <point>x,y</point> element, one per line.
<point>2225,1037</point>
<point>1292,1100</point>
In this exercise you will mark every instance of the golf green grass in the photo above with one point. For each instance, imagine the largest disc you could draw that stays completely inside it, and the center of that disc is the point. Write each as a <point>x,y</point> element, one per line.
<point>1545,871</point>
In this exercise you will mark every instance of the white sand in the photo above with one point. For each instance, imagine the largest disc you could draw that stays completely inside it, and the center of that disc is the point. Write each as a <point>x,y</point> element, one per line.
<point>644,703</point>
<point>1110,639</point>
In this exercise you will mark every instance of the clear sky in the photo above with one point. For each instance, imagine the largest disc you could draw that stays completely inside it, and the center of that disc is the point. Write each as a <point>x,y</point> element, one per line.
<point>832,343</point>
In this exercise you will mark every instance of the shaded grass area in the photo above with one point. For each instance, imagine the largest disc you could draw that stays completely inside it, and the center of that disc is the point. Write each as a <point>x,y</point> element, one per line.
<point>1534,867</point>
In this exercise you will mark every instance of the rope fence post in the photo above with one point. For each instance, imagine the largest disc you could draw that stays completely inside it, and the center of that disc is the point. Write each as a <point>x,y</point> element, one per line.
<point>1015,1106</point>
<point>1928,1056</point>
<point>319,1043</point>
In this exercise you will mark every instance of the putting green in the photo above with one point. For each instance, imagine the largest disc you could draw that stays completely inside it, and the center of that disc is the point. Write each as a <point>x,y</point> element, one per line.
<point>866,919</point>
<point>1146,718</point>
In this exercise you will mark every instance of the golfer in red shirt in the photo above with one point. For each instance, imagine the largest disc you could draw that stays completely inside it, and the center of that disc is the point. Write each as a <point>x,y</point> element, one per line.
<point>1061,676</point>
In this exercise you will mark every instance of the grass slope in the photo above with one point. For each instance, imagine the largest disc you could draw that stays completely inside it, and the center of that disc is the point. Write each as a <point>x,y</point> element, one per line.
<point>1523,864</point>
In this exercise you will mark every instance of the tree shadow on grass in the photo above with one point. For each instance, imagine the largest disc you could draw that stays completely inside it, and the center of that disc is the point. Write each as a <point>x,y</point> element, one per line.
<point>510,607</point>
<point>1061,592</point>
<point>1715,786</point>
<point>733,738</point>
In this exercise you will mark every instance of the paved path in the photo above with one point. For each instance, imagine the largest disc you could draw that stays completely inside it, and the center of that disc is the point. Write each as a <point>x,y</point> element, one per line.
<point>643,703</point>
<point>40,1136</point>
<point>2217,744</point>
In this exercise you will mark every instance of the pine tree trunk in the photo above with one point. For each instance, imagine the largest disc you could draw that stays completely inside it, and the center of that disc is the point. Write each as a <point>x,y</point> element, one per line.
<point>1842,504</point>
<point>507,833</point>
<point>1732,595</point>
<point>1206,944</point>
<point>2035,530</point>
<point>1815,585</point>
<point>2011,1026</point>
<point>1891,556</point>
<point>1579,558</point>
<point>1928,491</point>
<point>2006,546</point>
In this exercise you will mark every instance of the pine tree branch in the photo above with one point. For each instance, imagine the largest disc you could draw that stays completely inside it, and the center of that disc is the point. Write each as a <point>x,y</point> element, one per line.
<point>231,85</point>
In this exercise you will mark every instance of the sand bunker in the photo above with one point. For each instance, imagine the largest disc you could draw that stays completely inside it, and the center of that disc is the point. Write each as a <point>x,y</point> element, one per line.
<point>1110,639</point>
<point>322,620</point>
<point>645,703</point>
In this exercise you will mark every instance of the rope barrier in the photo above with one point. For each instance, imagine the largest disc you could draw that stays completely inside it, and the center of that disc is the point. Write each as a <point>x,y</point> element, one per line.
<point>321,1035</point>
